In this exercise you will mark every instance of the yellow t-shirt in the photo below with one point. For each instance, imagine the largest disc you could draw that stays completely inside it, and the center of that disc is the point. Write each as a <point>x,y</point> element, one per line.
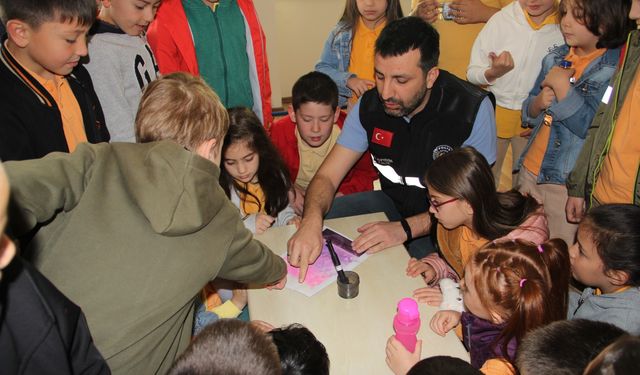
<point>362,47</point>
<point>533,159</point>
<point>617,179</point>
<point>456,40</point>
<point>254,202</point>
<point>457,245</point>
<point>312,157</point>
<point>72,121</point>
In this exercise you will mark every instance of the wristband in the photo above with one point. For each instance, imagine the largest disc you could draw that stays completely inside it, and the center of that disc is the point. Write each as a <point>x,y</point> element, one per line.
<point>407,229</point>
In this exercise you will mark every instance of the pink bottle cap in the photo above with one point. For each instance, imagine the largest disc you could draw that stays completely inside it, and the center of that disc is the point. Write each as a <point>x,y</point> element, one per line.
<point>408,310</point>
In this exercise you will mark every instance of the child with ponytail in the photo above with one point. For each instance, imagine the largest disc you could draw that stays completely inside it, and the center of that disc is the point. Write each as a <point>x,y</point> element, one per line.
<point>508,289</point>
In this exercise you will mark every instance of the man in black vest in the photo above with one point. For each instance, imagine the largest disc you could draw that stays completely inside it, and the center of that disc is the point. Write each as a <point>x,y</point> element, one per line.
<point>415,113</point>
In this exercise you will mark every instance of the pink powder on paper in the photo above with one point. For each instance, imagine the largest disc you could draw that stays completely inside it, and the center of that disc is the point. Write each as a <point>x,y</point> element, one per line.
<point>323,268</point>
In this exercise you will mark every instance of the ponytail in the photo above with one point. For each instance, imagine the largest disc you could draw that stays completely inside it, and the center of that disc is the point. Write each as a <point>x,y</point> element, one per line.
<point>525,284</point>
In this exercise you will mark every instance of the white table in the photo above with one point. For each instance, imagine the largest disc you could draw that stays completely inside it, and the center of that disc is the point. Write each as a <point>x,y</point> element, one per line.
<point>354,331</point>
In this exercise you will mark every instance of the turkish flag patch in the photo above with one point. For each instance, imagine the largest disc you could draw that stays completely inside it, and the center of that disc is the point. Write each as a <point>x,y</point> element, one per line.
<point>382,137</point>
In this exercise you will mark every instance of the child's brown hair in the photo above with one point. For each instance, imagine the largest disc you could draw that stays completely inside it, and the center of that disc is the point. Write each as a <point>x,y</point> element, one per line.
<point>525,284</point>
<point>608,20</point>
<point>182,108</point>
<point>35,12</point>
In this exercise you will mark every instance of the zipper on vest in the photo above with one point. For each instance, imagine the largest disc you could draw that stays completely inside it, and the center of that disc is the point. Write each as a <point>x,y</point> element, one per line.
<point>225,95</point>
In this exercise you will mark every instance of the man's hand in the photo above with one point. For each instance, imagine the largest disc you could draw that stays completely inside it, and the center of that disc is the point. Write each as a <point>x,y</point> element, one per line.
<point>500,65</point>
<point>263,222</point>
<point>431,295</point>
<point>427,10</point>
<point>296,199</point>
<point>444,321</point>
<point>399,359</point>
<point>575,209</point>
<point>471,11</point>
<point>418,268</point>
<point>304,247</point>
<point>359,85</point>
<point>378,236</point>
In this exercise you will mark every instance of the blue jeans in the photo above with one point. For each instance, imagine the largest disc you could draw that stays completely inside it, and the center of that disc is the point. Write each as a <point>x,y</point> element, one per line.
<point>377,201</point>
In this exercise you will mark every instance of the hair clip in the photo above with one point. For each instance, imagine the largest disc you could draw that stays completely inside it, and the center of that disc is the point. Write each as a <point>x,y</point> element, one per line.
<point>540,249</point>
<point>498,269</point>
<point>522,282</point>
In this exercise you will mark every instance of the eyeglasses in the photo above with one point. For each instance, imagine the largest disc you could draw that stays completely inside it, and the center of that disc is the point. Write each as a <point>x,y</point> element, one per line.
<point>436,205</point>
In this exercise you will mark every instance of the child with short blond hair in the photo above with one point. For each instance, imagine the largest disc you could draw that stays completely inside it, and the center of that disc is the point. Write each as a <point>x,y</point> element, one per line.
<point>144,226</point>
<point>47,101</point>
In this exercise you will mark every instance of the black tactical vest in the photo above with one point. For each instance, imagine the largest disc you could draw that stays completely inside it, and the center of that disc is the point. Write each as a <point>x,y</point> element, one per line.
<point>409,147</point>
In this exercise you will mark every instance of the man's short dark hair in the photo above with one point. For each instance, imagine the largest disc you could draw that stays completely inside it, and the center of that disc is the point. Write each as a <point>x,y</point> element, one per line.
<point>443,365</point>
<point>300,352</point>
<point>35,12</point>
<point>564,347</point>
<point>314,87</point>
<point>229,347</point>
<point>409,33</point>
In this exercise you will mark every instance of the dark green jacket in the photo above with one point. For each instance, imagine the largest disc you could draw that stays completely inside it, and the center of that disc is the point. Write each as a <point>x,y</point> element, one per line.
<point>131,233</point>
<point>581,181</point>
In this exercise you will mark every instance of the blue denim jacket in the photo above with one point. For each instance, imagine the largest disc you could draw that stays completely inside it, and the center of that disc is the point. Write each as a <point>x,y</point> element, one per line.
<point>571,116</point>
<point>335,58</point>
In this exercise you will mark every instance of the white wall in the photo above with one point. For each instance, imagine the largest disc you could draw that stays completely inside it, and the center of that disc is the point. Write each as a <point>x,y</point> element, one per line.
<point>296,31</point>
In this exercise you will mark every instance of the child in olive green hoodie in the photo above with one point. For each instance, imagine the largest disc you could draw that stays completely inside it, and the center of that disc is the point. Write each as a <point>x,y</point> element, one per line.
<point>131,232</point>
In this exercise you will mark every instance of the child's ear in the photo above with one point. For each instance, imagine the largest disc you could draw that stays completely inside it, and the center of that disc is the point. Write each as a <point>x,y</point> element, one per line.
<point>467,208</point>
<point>106,3</point>
<point>19,32</point>
<point>336,115</point>
<point>618,277</point>
<point>292,113</point>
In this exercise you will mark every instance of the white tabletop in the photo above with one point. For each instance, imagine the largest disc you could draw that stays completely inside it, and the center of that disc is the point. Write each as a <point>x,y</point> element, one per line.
<point>354,331</point>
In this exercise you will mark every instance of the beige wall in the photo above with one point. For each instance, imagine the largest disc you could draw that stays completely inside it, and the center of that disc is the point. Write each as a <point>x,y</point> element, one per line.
<point>296,31</point>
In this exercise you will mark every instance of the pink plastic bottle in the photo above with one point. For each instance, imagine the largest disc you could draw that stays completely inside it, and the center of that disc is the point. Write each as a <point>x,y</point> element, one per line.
<point>406,323</point>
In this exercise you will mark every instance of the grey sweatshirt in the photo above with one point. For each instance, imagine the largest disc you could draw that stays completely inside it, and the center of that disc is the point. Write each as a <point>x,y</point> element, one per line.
<point>621,309</point>
<point>121,66</point>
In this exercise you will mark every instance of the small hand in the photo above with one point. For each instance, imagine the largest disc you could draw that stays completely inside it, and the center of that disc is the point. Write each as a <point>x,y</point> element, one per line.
<point>263,222</point>
<point>359,85</point>
<point>416,268</point>
<point>399,359</point>
<point>444,321</point>
<point>558,79</point>
<point>526,133</point>
<point>304,247</point>
<point>295,221</point>
<point>471,11</point>
<point>431,295</point>
<point>427,10</point>
<point>575,209</point>
<point>500,65</point>
<point>239,298</point>
<point>378,236</point>
<point>542,101</point>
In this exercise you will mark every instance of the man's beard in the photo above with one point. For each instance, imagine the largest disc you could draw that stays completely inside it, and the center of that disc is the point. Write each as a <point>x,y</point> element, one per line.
<point>405,109</point>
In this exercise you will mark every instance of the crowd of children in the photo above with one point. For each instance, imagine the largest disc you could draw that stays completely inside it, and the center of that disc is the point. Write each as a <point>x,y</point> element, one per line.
<point>128,159</point>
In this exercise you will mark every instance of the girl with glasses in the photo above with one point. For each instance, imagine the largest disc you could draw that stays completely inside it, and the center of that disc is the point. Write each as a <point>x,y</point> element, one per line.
<point>469,213</point>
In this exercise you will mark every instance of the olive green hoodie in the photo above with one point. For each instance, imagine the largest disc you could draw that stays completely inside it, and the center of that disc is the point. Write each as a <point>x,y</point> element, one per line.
<point>131,233</point>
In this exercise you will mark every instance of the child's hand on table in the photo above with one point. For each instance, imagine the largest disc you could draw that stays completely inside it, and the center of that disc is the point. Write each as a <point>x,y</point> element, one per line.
<point>444,321</point>
<point>399,359</point>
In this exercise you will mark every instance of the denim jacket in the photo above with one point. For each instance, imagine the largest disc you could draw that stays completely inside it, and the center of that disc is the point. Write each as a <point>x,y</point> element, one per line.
<point>571,116</point>
<point>335,58</point>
